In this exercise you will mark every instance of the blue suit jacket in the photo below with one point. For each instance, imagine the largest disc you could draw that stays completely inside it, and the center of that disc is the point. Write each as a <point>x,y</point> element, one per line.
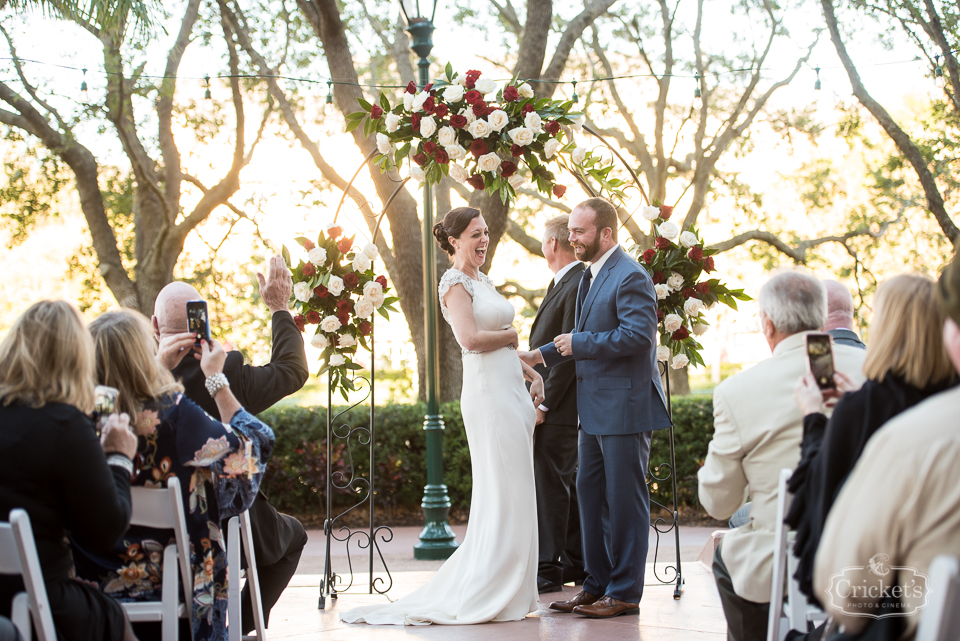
<point>615,348</point>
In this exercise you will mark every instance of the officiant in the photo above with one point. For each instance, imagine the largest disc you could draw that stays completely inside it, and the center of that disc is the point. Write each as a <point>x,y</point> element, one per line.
<point>555,438</point>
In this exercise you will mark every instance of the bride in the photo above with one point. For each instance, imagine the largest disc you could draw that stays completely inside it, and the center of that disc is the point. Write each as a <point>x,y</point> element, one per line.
<point>492,576</point>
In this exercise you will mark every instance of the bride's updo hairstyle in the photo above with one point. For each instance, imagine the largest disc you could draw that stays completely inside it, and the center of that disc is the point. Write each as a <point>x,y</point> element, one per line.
<point>452,225</point>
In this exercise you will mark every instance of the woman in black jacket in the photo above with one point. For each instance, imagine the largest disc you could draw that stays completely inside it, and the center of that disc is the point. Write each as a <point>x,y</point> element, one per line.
<point>53,465</point>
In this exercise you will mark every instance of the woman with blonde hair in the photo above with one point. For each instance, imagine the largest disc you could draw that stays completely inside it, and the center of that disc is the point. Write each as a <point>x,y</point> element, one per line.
<point>219,467</point>
<point>55,467</point>
<point>906,363</point>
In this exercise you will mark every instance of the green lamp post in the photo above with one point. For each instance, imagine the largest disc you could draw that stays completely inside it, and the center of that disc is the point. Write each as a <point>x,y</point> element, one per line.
<point>437,540</point>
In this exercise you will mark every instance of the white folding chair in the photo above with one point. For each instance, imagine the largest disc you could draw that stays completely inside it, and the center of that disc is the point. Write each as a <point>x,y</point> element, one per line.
<point>940,620</point>
<point>240,534</point>
<point>18,555</point>
<point>789,609</point>
<point>163,509</point>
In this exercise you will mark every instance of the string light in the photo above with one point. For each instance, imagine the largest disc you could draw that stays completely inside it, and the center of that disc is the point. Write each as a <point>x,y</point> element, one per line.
<point>816,85</point>
<point>938,78</point>
<point>697,95</point>
<point>328,107</point>
<point>576,98</point>
<point>84,94</point>
<point>207,94</point>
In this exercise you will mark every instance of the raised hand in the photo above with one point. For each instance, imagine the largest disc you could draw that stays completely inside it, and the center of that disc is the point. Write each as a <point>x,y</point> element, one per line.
<point>276,288</point>
<point>174,347</point>
<point>212,357</point>
<point>117,436</point>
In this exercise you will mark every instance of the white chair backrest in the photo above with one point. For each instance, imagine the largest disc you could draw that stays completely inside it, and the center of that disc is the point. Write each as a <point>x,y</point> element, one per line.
<point>18,555</point>
<point>940,620</point>
<point>780,552</point>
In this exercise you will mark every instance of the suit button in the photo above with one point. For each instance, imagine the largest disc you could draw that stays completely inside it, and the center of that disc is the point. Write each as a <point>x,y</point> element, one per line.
<point>579,379</point>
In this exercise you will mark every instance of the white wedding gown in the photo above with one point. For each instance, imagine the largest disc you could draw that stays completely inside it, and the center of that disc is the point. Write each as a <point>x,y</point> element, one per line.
<point>492,576</point>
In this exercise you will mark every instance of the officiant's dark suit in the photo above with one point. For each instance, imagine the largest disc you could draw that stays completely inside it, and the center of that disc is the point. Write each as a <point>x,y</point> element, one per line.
<point>555,440</point>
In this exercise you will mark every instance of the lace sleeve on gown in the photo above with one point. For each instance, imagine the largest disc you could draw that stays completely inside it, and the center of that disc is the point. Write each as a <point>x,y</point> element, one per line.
<point>450,278</point>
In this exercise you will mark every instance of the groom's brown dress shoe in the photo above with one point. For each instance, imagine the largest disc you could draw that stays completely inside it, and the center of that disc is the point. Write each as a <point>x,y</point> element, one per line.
<point>583,598</point>
<point>606,607</point>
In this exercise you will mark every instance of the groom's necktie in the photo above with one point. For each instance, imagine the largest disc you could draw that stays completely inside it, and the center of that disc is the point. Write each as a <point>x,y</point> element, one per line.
<point>584,287</point>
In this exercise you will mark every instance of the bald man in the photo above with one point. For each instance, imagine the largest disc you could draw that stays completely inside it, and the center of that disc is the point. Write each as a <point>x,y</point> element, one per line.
<point>840,321</point>
<point>278,539</point>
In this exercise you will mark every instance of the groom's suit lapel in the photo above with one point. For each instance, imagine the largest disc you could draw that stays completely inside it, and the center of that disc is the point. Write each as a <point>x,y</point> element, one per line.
<point>597,285</point>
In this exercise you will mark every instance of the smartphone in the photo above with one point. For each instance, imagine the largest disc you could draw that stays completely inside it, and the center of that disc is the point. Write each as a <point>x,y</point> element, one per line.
<point>104,404</point>
<point>198,320</point>
<point>820,359</point>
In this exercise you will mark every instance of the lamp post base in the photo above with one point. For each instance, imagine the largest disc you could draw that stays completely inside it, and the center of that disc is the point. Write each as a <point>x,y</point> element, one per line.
<point>436,542</point>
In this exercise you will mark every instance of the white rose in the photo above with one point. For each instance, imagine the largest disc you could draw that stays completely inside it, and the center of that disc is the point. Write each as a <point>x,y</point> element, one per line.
<point>688,239</point>
<point>551,148</point>
<point>383,143</point>
<point>460,80</point>
<point>428,126</point>
<point>416,172</point>
<point>373,292</point>
<point>650,213</point>
<point>498,119</point>
<point>455,152</point>
<point>330,324</point>
<point>662,291</point>
<point>579,155</point>
<point>693,306</point>
<point>319,341</point>
<point>486,85</point>
<point>347,341</point>
<point>453,93</point>
<point>521,136</point>
<point>479,128</point>
<point>699,329</point>
<point>370,251</point>
<point>317,256</point>
<point>302,292</point>
<point>680,361</point>
<point>361,262</point>
<point>447,136</point>
<point>336,360</point>
<point>663,353</point>
<point>363,308</point>
<point>675,281</point>
<point>458,173</point>
<point>516,181</point>
<point>533,122</point>
<point>669,230</point>
<point>469,115</point>
<point>335,286</point>
<point>577,124</point>
<point>672,323</point>
<point>419,99</point>
<point>525,90</point>
<point>392,121</point>
<point>408,101</point>
<point>488,162</point>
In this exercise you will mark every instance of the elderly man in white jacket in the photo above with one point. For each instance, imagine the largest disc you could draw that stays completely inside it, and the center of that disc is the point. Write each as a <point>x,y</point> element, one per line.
<point>757,432</point>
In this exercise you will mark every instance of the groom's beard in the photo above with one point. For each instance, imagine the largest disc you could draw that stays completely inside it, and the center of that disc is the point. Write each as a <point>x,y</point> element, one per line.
<point>591,251</point>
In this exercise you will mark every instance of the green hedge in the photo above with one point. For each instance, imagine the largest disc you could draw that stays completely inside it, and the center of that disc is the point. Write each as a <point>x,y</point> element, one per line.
<point>297,471</point>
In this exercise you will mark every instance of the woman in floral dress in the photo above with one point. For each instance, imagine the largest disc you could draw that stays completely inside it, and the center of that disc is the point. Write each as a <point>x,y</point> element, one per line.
<point>219,467</point>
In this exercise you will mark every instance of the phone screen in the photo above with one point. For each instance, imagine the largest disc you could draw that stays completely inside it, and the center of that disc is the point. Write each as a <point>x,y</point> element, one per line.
<point>821,360</point>
<point>197,321</point>
<point>104,404</point>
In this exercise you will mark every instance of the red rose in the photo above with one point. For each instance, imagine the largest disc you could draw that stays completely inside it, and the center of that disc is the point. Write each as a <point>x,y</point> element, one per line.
<point>415,122</point>
<point>648,255</point>
<point>475,181</point>
<point>441,157</point>
<point>334,231</point>
<point>689,292</point>
<point>345,245</point>
<point>350,280</point>
<point>472,96</point>
<point>559,191</point>
<point>420,159</point>
<point>479,109</point>
<point>382,280</point>
<point>365,328</point>
<point>441,111</point>
<point>430,147</point>
<point>471,78</point>
<point>708,264</point>
<point>527,108</point>
<point>660,315</point>
<point>703,288</point>
<point>309,270</point>
<point>666,212</point>
<point>343,306</point>
<point>300,322</point>
<point>457,121</point>
<point>695,253</point>
<point>428,87</point>
<point>681,334</point>
<point>412,87</point>
<point>308,245</point>
<point>321,291</point>
<point>662,243</point>
<point>508,169</point>
<point>478,148</point>
<point>343,317</point>
<point>510,94</point>
<point>375,111</point>
<point>516,151</point>
<point>313,317</point>
<point>552,127</point>
<point>429,104</point>
<point>659,278</point>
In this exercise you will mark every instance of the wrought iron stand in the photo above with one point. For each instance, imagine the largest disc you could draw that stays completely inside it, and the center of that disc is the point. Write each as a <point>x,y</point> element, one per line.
<point>674,524</point>
<point>332,582</point>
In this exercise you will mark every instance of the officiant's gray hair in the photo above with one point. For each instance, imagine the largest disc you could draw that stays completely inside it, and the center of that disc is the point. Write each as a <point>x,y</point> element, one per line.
<point>794,302</point>
<point>557,228</point>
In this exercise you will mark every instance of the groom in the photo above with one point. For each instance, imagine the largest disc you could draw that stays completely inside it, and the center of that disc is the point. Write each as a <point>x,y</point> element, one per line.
<point>620,402</point>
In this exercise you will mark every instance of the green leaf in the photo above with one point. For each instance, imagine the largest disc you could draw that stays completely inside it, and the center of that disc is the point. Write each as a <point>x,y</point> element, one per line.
<point>384,103</point>
<point>448,71</point>
<point>364,104</point>
<point>352,124</point>
<point>286,255</point>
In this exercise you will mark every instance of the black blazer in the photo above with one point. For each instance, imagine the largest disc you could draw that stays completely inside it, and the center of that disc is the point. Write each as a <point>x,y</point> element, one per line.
<point>256,388</point>
<point>557,315</point>
<point>846,337</point>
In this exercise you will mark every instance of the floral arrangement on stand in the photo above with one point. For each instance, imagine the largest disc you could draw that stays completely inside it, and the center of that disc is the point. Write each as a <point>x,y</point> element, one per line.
<point>677,262</point>
<point>489,137</point>
<point>337,290</point>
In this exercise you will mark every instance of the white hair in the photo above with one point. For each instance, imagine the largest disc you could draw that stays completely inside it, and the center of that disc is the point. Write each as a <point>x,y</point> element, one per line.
<point>794,302</point>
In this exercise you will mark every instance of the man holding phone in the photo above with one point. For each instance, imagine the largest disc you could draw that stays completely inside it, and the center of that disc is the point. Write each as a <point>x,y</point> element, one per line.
<point>757,432</point>
<point>278,539</point>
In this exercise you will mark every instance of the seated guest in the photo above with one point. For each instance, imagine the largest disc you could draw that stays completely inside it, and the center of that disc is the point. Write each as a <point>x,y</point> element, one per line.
<point>55,467</point>
<point>840,323</point>
<point>900,506</point>
<point>906,362</point>
<point>757,432</point>
<point>219,467</point>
